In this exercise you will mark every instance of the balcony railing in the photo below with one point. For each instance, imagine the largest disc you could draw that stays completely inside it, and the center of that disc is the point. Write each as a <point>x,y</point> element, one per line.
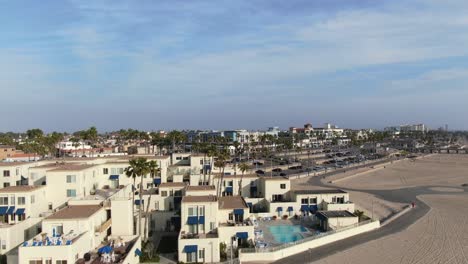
<point>198,236</point>
<point>104,226</point>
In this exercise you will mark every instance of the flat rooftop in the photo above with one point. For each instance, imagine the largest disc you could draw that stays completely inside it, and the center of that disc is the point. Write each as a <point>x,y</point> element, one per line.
<point>321,191</point>
<point>8,164</point>
<point>335,214</point>
<point>21,188</point>
<point>201,188</point>
<point>172,184</point>
<point>75,212</point>
<point>199,199</point>
<point>232,202</point>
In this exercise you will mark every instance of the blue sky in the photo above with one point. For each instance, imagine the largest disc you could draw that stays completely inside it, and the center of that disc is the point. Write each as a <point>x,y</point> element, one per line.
<point>68,65</point>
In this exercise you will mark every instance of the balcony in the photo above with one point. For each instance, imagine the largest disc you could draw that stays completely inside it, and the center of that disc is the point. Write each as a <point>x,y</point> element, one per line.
<point>339,206</point>
<point>104,226</point>
<point>184,235</point>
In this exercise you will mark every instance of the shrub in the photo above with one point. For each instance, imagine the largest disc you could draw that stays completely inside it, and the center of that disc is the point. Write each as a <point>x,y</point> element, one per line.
<point>285,217</point>
<point>274,217</point>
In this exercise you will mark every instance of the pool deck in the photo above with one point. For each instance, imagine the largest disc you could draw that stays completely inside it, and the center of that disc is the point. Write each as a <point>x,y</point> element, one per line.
<point>268,236</point>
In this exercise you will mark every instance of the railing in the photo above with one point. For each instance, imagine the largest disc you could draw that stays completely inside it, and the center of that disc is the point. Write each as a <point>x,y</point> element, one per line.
<point>302,241</point>
<point>105,225</point>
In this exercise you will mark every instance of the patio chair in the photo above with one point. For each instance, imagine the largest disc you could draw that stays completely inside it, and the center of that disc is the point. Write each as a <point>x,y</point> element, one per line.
<point>25,244</point>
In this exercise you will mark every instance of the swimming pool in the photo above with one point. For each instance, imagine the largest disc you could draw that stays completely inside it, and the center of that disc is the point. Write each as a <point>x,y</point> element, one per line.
<point>287,233</point>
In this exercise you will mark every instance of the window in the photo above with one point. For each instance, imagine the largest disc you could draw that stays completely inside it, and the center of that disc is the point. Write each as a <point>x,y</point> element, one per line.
<point>178,158</point>
<point>283,186</point>
<point>201,253</point>
<point>191,257</point>
<point>6,184</point>
<point>21,200</point>
<point>193,229</point>
<point>35,261</point>
<point>313,200</point>
<point>201,211</point>
<point>3,200</point>
<point>4,244</point>
<point>6,173</point>
<point>71,178</point>
<point>50,206</point>
<point>201,162</point>
<point>171,193</point>
<point>61,262</point>
<point>191,211</point>
<point>17,171</point>
<point>185,158</point>
<point>12,199</point>
<point>105,171</point>
<point>212,226</point>
<point>163,193</point>
<point>304,201</point>
<point>231,216</point>
<point>71,193</point>
<point>33,199</point>
<point>48,261</point>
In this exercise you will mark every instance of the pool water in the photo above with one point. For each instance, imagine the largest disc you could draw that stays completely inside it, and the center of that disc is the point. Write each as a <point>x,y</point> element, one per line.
<point>287,233</point>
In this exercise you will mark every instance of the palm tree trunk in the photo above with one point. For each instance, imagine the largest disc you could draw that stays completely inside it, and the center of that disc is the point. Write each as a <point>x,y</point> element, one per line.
<point>146,217</point>
<point>140,215</point>
<point>133,201</point>
<point>240,183</point>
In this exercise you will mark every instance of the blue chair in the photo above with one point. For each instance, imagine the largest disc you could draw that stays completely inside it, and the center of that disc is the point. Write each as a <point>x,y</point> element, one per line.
<point>59,243</point>
<point>49,243</point>
<point>39,244</point>
<point>25,244</point>
<point>34,244</point>
<point>68,242</point>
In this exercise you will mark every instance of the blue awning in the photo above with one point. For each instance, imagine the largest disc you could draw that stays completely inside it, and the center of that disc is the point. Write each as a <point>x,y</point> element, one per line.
<point>190,248</point>
<point>201,219</point>
<point>138,252</point>
<point>138,202</point>
<point>157,181</point>
<point>192,220</point>
<point>279,209</point>
<point>290,209</point>
<point>114,177</point>
<point>304,207</point>
<point>242,235</point>
<point>229,189</point>
<point>313,208</point>
<point>3,210</point>
<point>239,211</point>
<point>10,210</point>
<point>20,211</point>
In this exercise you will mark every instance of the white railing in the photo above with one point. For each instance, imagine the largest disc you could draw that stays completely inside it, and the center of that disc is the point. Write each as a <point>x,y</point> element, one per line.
<point>307,239</point>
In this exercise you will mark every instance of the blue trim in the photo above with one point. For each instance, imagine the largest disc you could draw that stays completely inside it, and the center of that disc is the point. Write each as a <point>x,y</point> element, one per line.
<point>157,181</point>
<point>313,208</point>
<point>290,209</point>
<point>239,211</point>
<point>242,235</point>
<point>20,211</point>
<point>3,210</point>
<point>10,210</point>
<point>250,205</point>
<point>138,202</point>
<point>190,248</point>
<point>229,189</point>
<point>304,207</point>
<point>201,220</point>
<point>138,252</point>
<point>192,220</point>
<point>114,177</point>
<point>279,209</point>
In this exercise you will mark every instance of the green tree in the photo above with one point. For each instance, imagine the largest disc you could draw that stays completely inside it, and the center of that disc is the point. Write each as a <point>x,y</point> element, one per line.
<point>243,167</point>
<point>139,167</point>
<point>153,172</point>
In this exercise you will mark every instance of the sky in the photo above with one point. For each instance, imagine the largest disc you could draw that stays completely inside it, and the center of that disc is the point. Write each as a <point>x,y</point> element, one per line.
<point>177,64</point>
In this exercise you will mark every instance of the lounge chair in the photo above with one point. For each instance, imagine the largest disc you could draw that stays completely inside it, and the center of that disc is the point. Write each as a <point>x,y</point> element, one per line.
<point>25,244</point>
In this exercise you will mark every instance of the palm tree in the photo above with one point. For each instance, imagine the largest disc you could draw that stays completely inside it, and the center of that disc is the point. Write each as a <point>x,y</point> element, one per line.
<point>153,169</point>
<point>243,167</point>
<point>210,152</point>
<point>138,168</point>
<point>221,164</point>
